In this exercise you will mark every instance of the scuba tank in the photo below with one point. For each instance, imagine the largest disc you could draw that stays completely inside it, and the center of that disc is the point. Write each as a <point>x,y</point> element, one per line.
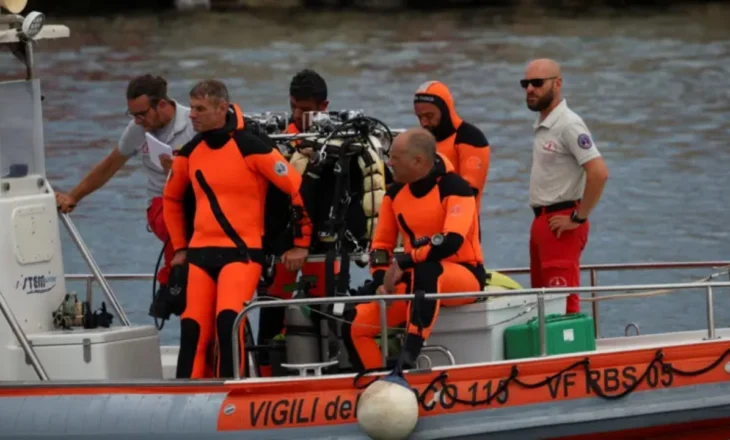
<point>302,336</point>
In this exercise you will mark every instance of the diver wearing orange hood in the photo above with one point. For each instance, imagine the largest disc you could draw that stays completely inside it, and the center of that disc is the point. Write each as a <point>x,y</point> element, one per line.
<point>462,143</point>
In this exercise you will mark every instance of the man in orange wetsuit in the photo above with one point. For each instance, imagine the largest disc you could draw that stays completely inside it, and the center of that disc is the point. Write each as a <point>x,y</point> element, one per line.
<point>566,182</point>
<point>435,211</point>
<point>229,169</point>
<point>462,143</point>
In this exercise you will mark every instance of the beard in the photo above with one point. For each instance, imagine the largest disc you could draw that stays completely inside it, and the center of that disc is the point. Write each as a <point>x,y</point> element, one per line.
<point>542,103</point>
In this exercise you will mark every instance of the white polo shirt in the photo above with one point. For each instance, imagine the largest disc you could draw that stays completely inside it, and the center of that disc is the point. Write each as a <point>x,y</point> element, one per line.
<point>176,133</point>
<point>561,146</point>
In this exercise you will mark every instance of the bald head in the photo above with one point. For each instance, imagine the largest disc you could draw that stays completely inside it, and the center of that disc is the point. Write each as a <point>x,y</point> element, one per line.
<point>542,83</point>
<point>419,141</point>
<point>542,68</point>
<point>412,155</point>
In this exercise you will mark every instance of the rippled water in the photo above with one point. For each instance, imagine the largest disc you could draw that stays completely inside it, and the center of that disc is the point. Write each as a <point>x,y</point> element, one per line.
<point>653,89</point>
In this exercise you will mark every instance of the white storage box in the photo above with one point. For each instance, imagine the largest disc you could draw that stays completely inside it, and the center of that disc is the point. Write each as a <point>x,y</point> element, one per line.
<point>114,353</point>
<point>474,333</point>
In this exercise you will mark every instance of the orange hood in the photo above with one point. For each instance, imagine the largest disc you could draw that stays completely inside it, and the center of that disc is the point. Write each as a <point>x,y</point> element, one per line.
<point>436,93</point>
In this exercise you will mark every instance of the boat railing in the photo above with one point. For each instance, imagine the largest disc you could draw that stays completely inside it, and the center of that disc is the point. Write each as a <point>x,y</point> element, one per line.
<point>383,301</point>
<point>100,278</point>
<point>22,338</point>
<point>592,269</point>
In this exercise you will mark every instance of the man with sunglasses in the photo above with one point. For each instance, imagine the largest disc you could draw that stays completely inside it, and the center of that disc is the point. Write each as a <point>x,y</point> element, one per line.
<point>152,111</point>
<point>566,182</point>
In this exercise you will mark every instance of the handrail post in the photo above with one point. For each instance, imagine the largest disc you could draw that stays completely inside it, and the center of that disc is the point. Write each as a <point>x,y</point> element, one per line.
<point>541,321</point>
<point>22,339</point>
<point>594,305</point>
<point>76,237</point>
<point>710,315</point>
<point>235,348</point>
<point>383,331</point>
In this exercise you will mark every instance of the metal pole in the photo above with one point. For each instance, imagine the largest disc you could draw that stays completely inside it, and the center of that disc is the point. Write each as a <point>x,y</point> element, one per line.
<point>541,322</point>
<point>24,343</point>
<point>29,63</point>
<point>710,315</point>
<point>95,269</point>
<point>383,331</point>
<point>594,306</point>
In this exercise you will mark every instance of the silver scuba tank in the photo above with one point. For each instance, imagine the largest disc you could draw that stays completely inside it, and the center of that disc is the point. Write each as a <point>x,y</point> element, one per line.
<point>302,336</point>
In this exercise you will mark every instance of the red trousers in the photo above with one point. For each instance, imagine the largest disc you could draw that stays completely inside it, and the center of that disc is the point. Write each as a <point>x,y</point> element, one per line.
<point>156,223</point>
<point>555,262</point>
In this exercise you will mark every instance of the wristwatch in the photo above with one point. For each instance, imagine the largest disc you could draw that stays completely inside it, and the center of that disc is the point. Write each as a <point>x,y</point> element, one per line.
<point>575,219</point>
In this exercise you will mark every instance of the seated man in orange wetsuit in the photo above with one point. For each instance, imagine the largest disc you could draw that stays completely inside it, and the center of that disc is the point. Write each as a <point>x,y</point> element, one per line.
<point>307,92</point>
<point>229,169</point>
<point>435,211</point>
<point>462,143</point>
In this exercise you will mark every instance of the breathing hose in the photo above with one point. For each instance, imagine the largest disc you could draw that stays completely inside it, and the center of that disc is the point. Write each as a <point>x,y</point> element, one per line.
<point>161,323</point>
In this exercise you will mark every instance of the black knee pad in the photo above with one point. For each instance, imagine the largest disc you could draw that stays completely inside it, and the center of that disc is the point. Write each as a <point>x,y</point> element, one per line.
<point>224,326</point>
<point>349,316</point>
<point>189,337</point>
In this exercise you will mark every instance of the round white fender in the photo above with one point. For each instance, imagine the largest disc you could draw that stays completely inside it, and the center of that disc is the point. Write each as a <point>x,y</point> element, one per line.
<point>388,409</point>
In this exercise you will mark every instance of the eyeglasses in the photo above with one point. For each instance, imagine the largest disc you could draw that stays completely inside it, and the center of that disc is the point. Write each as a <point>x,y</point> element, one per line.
<point>138,115</point>
<point>535,82</point>
<point>143,114</point>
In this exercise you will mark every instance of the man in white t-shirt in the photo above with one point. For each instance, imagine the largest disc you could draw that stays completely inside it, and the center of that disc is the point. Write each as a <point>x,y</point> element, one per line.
<point>152,111</point>
<point>566,182</point>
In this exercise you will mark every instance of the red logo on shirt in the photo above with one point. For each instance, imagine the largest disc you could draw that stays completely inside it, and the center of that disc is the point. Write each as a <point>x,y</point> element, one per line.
<point>550,146</point>
<point>145,148</point>
<point>558,282</point>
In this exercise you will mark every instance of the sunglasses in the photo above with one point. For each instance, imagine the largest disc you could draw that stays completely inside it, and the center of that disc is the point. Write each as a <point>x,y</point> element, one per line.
<point>535,82</point>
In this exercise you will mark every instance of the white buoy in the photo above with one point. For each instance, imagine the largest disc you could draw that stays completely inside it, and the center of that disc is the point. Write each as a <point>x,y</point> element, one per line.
<point>388,409</point>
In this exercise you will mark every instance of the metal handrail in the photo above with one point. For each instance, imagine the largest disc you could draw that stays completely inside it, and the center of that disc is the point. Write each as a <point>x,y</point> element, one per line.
<point>507,271</point>
<point>541,292</point>
<point>593,270</point>
<point>22,339</point>
<point>76,237</point>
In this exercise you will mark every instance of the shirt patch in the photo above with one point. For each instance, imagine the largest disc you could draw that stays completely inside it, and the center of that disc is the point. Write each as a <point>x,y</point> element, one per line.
<point>455,210</point>
<point>584,141</point>
<point>280,168</point>
<point>473,163</point>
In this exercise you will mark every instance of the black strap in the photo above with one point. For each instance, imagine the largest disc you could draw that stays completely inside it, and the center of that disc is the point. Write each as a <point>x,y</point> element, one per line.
<point>415,242</point>
<point>220,217</point>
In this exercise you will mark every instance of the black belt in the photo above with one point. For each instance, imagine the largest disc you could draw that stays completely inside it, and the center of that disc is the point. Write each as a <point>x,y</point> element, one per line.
<point>560,206</point>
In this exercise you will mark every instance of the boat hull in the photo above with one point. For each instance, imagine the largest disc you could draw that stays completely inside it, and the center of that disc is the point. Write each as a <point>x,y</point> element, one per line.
<point>670,413</point>
<point>646,392</point>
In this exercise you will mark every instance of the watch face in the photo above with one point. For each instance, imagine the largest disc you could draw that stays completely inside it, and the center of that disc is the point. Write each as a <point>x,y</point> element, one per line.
<point>437,239</point>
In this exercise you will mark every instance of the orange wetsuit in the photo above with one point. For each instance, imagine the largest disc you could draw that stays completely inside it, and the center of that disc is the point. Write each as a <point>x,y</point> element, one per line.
<point>440,207</point>
<point>462,143</point>
<point>229,170</point>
